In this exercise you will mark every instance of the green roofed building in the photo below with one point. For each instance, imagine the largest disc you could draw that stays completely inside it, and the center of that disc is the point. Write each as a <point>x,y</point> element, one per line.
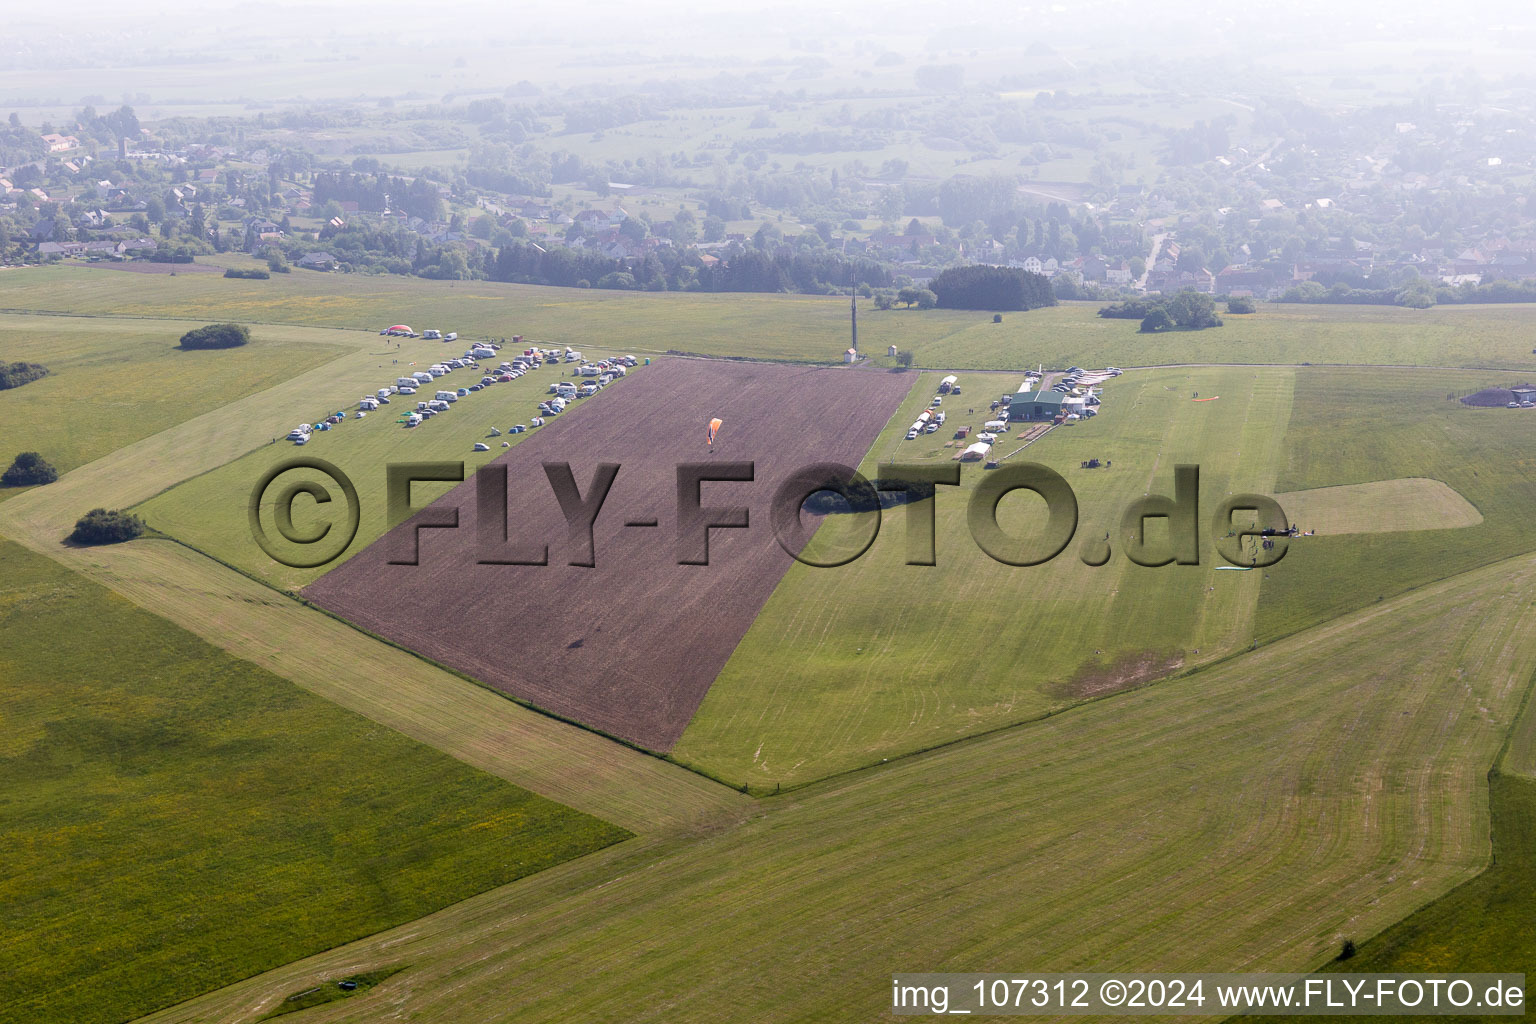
<point>1035,405</point>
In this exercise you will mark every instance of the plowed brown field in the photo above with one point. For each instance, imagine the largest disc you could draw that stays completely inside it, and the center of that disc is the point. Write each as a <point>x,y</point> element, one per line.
<point>631,645</point>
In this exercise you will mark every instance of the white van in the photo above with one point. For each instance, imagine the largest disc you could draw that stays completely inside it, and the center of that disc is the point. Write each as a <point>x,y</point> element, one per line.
<point>422,376</point>
<point>451,336</point>
<point>447,396</point>
<point>405,382</point>
<point>565,389</point>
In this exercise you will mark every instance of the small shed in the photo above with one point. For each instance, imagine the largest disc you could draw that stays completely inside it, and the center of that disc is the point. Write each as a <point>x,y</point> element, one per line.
<point>851,356</point>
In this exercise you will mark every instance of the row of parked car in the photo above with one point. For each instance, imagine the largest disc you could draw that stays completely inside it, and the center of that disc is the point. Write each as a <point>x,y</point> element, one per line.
<point>602,373</point>
<point>443,399</point>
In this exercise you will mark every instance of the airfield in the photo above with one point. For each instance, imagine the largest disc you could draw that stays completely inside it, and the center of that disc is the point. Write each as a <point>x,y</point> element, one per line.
<point>840,772</point>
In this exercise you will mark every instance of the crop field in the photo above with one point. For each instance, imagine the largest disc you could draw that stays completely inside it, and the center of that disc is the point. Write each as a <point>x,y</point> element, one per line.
<point>112,382</point>
<point>1355,426</point>
<point>209,511</point>
<point>176,819</point>
<point>1250,816</point>
<point>799,328</point>
<point>1384,506</point>
<point>629,644</point>
<point>879,658</point>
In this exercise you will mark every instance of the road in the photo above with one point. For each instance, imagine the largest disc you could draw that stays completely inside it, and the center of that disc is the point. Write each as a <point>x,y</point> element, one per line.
<point>1157,247</point>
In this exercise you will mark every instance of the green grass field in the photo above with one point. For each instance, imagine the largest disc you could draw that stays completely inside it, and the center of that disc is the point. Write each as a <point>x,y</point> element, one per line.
<point>1247,816</point>
<point>878,658</point>
<point>210,511</point>
<point>112,382</point>
<point>792,327</point>
<point>176,819</point>
<point>1354,426</point>
<point>1481,926</point>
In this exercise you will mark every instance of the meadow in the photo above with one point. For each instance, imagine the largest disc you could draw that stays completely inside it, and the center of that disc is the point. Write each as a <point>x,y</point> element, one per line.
<point>1481,926</point>
<point>796,328</point>
<point>878,658</point>
<point>209,511</point>
<point>1356,426</point>
<point>112,382</point>
<point>177,818</point>
<point>1248,817</point>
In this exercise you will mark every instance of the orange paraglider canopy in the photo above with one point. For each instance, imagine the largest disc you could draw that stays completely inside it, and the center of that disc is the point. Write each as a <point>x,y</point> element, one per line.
<point>714,428</point>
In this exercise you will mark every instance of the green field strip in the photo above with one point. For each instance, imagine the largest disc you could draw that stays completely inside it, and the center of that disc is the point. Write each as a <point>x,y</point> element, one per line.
<point>1244,817</point>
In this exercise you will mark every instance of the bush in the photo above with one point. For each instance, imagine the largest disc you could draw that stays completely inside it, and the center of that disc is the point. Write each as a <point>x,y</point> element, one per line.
<point>1157,320</point>
<point>252,273</point>
<point>29,470</point>
<point>1241,304</point>
<point>14,375</point>
<point>1131,309</point>
<point>216,336</point>
<point>100,526</point>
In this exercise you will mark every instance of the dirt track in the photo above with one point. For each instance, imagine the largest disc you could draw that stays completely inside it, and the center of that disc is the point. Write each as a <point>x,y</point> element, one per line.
<point>631,645</point>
